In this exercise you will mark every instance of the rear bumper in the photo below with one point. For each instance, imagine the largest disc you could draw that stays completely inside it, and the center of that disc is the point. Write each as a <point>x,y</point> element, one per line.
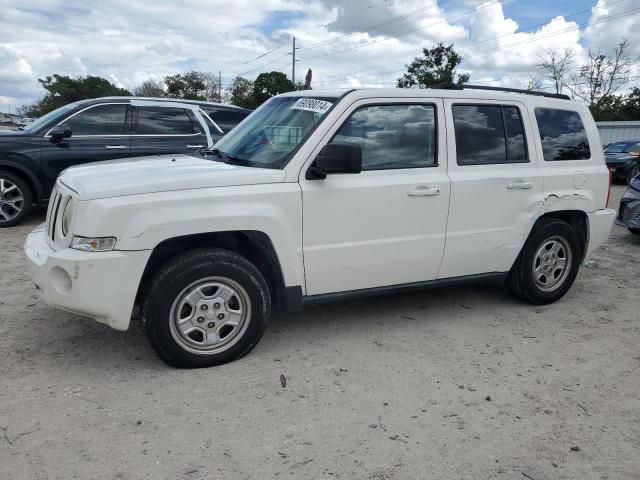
<point>100,285</point>
<point>600,223</point>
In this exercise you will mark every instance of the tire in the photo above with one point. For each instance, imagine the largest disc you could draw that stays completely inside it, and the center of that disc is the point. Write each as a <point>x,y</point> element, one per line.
<point>635,171</point>
<point>550,282</point>
<point>635,231</point>
<point>16,199</point>
<point>189,301</point>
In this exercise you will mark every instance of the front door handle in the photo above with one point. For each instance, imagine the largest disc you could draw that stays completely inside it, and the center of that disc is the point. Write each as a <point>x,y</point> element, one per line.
<point>520,185</point>
<point>195,146</point>
<point>424,191</point>
<point>115,147</point>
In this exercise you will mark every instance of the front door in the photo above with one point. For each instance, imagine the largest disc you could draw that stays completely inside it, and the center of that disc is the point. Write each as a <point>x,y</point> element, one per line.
<point>386,225</point>
<point>99,132</point>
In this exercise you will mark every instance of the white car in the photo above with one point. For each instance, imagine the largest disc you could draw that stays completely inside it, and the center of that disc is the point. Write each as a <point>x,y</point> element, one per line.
<point>323,195</point>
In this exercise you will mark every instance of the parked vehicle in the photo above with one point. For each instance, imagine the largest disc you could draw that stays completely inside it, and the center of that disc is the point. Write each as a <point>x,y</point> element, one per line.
<point>629,211</point>
<point>327,195</point>
<point>623,159</point>
<point>100,129</point>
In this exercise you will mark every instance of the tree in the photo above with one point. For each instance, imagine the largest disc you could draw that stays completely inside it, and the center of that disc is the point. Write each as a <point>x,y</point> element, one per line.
<point>436,67</point>
<point>269,84</point>
<point>149,88</point>
<point>603,75</point>
<point>63,90</point>
<point>617,107</point>
<point>557,66</point>
<point>533,84</point>
<point>241,93</point>
<point>193,85</point>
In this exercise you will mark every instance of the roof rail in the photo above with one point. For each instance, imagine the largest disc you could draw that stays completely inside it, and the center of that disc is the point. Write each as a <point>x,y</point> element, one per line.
<point>455,86</point>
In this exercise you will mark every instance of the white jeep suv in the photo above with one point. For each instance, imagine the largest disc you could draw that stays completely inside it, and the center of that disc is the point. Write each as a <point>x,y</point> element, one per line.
<point>322,195</point>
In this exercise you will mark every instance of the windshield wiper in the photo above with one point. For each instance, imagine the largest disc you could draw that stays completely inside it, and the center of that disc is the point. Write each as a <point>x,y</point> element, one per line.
<point>226,157</point>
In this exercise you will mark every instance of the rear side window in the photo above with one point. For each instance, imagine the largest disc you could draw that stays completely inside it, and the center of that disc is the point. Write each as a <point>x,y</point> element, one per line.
<point>164,121</point>
<point>99,120</point>
<point>489,134</point>
<point>392,136</point>
<point>227,119</point>
<point>562,135</point>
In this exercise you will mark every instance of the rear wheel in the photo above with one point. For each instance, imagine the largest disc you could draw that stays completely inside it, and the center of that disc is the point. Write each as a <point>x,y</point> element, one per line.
<point>15,199</point>
<point>548,263</point>
<point>205,307</point>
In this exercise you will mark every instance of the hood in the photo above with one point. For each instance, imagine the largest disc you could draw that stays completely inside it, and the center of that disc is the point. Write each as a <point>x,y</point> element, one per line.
<point>134,176</point>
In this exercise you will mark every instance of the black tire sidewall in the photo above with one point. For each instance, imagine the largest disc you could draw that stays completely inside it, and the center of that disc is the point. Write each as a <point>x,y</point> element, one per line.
<point>171,281</point>
<point>26,194</point>
<point>547,229</point>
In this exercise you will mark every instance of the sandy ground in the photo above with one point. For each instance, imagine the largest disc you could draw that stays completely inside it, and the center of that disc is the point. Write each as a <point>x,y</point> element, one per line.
<point>454,383</point>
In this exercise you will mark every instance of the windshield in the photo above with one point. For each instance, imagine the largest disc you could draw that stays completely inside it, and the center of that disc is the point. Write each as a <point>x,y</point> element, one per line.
<point>269,135</point>
<point>41,121</point>
<point>618,148</point>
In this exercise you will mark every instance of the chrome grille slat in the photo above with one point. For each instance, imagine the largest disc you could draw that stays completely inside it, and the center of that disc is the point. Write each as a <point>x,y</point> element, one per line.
<point>55,218</point>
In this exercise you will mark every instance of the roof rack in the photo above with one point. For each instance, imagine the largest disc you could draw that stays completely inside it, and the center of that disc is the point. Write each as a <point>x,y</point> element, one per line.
<point>455,86</point>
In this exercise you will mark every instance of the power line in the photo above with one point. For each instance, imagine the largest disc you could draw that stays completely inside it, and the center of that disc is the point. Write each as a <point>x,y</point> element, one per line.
<point>374,27</point>
<point>473,54</point>
<point>263,55</point>
<point>444,20</point>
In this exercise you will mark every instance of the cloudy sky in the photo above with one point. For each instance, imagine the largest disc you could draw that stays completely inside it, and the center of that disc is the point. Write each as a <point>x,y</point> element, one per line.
<point>345,43</point>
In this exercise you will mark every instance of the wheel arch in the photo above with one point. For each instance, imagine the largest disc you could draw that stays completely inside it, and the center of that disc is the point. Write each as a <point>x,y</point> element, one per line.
<point>254,245</point>
<point>578,219</point>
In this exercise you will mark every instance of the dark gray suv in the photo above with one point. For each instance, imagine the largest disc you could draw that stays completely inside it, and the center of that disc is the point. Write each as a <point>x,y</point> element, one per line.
<point>101,129</point>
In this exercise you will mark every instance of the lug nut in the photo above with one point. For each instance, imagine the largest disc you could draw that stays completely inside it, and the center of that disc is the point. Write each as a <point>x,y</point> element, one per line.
<point>220,316</point>
<point>203,307</point>
<point>200,319</point>
<point>211,325</point>
<point>216,305</point>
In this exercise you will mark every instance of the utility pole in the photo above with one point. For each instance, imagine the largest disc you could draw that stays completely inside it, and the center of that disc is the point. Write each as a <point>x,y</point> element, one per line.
<point>293,65</point>
<point>220,86</point>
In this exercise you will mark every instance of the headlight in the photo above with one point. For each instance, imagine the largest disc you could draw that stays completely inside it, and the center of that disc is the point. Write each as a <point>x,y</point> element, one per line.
<point>635,183</point>
<point>101,244</point>
<point>67,216</point>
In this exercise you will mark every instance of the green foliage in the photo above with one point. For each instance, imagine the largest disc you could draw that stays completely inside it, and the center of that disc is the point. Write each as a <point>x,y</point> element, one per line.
<point>437,66</point>
<point>241,93</point>
<point>269,84</point>
<point>62,89</point>
<point>617,107</point>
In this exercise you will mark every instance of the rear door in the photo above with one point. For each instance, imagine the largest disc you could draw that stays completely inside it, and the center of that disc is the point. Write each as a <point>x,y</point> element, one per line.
<point>99,132</point>
<point>161,129</point>
<point>496,186</point>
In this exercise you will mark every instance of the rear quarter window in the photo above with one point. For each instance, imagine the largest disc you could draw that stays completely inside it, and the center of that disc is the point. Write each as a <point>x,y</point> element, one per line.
<point>562,135</point>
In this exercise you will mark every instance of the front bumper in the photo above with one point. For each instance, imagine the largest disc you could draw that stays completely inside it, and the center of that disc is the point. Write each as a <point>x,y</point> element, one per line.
<point>101,285</point>
<point>600,224</point>
<point>629,211</point>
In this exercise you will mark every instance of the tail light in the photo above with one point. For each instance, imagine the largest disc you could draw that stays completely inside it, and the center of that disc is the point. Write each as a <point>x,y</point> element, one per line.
<point>609,191</point>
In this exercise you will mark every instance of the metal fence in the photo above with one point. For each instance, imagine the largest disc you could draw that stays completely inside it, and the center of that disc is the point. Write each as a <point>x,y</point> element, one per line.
<point>617,131</point>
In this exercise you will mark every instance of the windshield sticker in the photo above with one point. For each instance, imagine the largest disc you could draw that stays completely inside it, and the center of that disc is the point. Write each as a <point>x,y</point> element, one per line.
<point>311,105</point>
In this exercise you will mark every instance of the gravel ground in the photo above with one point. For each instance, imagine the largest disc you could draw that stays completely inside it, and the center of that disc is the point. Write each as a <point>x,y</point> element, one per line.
<point>453,383</point>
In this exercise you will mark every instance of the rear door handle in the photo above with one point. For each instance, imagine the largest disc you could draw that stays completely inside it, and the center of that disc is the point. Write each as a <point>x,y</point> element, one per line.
<point>520,185</point>
<point>424,191</point>
<point>195,146</point>
<point>115,147</point>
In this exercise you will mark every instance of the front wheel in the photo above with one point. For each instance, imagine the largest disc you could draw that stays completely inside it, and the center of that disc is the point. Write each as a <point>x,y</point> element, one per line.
<point>15,199</point>
<point>548,263</point>
<point>205,307</point>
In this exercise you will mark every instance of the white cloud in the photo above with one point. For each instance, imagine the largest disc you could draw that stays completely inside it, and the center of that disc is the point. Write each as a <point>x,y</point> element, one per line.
<point>131,41</point>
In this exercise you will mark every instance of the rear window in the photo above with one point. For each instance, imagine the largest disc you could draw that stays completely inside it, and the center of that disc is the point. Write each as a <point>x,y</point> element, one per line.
<point>489,134</point>
<point>562,135</point>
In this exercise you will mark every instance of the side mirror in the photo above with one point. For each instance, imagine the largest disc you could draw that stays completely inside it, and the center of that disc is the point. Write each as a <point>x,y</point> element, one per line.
<point>59,133</point>
<point>336,158</point>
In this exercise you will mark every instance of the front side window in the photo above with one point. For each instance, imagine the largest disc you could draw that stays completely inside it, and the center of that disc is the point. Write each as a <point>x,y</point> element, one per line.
<point>99,120</point>
<point>164,121</point>
<point>270,135</point>
<point>392,136</point>
<point>562,135</point>
<point>489,134</point>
